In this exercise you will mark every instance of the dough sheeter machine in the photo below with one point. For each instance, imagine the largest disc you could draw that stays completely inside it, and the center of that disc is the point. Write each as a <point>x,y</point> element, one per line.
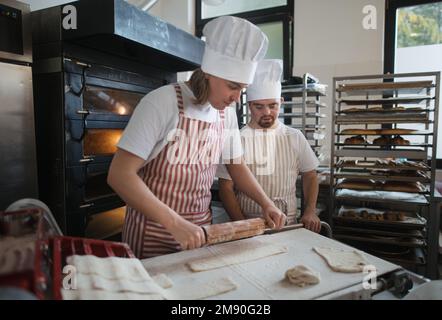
<point>258,279</point>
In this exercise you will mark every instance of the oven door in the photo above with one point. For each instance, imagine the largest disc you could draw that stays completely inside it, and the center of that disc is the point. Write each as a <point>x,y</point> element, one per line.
<point>99,99</point>
<point>91,141</point>
<point>87,187</point>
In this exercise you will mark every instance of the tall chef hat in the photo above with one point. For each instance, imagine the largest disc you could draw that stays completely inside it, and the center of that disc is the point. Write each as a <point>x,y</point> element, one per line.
<point>267,81</point>
<point>233,48</point>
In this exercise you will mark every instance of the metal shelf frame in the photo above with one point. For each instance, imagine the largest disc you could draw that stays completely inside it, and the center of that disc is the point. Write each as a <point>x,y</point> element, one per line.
<point>426,96</point>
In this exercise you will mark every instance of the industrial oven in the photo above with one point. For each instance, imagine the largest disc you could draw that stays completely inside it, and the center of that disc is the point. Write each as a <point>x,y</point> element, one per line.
<point>87,83</point>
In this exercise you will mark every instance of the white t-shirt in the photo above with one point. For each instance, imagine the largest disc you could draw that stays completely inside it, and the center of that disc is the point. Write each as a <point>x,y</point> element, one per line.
<point>157,115</point>
<point>305,157</point>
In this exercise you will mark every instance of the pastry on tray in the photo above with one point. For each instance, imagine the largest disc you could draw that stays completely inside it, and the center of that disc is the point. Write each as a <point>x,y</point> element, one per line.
<point>382,141</point>
<point>358,131</point>
<point>394,216</point>
<point>398,140</point>
<point>355,140</point>
<point>397,172</point>
<point>399,186</point>
<point>356,184</point>
<point>396,131</point>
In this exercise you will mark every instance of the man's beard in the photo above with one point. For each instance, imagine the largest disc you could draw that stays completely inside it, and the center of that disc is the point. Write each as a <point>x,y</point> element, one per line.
<point>266,124</point>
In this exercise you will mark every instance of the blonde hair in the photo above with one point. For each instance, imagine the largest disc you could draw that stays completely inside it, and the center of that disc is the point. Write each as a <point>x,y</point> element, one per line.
<point>199,85</point>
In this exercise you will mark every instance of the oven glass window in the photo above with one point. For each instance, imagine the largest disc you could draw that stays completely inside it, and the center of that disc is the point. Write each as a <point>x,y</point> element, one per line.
<point>106,100</point>
<point>97,187</point>
<point>101,142</point>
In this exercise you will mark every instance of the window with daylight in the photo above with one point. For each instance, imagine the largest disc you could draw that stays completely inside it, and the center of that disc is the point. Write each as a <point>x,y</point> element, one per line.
<point>274,17</point>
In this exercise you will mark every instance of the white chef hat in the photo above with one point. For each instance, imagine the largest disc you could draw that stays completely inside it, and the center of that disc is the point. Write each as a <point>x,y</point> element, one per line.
<point>233,48</point>
<point>267,81</point>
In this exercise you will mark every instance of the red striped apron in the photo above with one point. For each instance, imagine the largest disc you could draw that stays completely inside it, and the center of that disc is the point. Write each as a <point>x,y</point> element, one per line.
<point>181,177</point>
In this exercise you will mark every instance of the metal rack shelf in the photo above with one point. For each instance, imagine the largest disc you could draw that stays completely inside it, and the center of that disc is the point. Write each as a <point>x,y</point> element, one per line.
<point>368,176</point>
<point>301,109</point>
<point>422,100</point>
<point>359,120</point>
<point>387,101</point>
<point>308,104</point>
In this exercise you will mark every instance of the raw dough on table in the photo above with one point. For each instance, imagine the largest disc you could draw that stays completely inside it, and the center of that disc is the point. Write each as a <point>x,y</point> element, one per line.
<point>302,275</point>
<point>111,278</point>
<point>163,281</point>
<point>110,268</point>
<point>201,291</point>
<point>240,252</point>
<point>91,294</point>
<point>342,260</point>
<point>96,282</point>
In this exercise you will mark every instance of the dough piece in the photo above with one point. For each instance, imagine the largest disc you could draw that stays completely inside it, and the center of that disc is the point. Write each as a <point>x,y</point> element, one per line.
<point>302,276</point>
<point>399,186</point>
<point>341,260</point>
<point>163,281</point>
<point>396,131</point>
<point>95,282</point>
<point>358,131</point>
<point>240,254</point>
<point>206,290</point>
<point>356,184</point>
<point>110,268</point>
<point>86,294</point>
<point>398,140</point>
<point>382,141</point>
<point>355,140</point>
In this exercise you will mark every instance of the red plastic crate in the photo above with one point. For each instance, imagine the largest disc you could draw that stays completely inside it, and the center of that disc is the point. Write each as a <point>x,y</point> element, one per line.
<point>63,247</point>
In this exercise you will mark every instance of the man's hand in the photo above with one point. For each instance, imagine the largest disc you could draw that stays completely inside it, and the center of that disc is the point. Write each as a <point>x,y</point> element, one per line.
<point>274,217</point>
<point>311,221</point>
<point>188,235</point>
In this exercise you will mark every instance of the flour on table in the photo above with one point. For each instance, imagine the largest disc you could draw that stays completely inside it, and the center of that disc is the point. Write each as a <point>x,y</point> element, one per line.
<point>163,281</point>
<point>232,253</point>
<point>201,290</point>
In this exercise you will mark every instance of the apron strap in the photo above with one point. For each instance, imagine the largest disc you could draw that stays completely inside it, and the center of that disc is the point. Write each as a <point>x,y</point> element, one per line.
<point>179,97</point>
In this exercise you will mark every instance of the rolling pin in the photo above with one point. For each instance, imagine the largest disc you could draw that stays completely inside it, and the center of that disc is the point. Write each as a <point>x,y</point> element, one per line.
<point>223,232</point>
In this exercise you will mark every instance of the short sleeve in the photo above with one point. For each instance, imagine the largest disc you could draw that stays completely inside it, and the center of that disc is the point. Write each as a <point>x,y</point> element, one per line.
<point>221,172</point>
<point>153,118</point>
<point>232,148</point>
<point>307,160</point>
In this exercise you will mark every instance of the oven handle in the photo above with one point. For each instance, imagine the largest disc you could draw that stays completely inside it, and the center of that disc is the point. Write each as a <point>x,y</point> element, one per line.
<point>88,205</point>
<point>84,120</point>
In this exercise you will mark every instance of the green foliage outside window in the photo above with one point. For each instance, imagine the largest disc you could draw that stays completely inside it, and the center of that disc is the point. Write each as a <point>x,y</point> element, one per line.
<point>419,25</point>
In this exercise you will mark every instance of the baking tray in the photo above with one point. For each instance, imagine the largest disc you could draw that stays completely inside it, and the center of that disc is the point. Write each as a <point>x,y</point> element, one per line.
<point>373,165</point>
<point>411,223</point>
<point>394,254</point>
<point>369,176</point>
<point>376,111</point>
<point>405,87</point>
<point>400,242</point>
<point>383,232</point>
<point>386,101</point>
<point>380,132</point>
<point>309,104</point>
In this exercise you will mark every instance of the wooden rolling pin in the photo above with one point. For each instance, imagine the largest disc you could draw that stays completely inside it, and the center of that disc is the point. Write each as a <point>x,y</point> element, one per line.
<point>229,231</point>
<point>216,233</point>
